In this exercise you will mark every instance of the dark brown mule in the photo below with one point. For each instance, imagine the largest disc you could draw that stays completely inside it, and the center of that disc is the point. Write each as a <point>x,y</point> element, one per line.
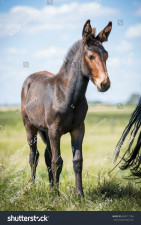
<point>56,104</point>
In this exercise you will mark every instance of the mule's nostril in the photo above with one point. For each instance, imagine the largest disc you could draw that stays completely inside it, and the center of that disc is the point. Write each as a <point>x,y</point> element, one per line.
<point>102,86</point>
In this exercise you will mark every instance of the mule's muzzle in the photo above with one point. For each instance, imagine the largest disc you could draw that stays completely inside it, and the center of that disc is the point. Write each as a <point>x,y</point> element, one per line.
<point>104,87</point>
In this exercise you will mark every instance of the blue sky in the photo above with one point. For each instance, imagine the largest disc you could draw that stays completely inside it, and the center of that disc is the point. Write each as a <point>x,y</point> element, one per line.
<point>40,34</point>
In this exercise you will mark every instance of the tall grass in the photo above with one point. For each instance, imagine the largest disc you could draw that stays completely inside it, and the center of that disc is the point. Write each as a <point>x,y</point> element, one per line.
<point>103,191</point>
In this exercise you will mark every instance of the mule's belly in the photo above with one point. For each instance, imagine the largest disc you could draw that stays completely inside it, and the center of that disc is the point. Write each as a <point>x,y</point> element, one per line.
<point>67,120</point>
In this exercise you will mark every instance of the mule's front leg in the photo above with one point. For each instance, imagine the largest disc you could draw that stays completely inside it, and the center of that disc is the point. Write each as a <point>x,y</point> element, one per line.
<point>76,141</point>
<point>57,162</point>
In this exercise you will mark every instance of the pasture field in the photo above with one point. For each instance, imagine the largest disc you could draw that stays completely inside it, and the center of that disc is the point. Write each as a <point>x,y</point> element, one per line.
<point>103,191</point>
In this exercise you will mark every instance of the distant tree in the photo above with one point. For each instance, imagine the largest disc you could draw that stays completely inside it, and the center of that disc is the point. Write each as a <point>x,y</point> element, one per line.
<point>134,99</point>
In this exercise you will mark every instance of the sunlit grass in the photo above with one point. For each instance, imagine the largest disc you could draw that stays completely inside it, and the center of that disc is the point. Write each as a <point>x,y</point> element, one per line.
<point>103,191</point>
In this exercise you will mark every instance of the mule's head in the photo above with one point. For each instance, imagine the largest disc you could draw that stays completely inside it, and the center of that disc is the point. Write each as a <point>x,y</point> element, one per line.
<point>95,56</point>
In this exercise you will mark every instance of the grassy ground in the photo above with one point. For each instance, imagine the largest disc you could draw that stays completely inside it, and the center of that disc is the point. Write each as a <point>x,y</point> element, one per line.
<point>103,191</point>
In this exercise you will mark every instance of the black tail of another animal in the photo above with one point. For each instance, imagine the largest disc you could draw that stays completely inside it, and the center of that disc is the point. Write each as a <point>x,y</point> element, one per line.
<point>132,157</point>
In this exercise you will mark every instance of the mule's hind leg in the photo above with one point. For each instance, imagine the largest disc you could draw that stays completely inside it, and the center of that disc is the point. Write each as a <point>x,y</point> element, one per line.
<point>57,161</point>
<point>34,154</point>
<point>48,159</point>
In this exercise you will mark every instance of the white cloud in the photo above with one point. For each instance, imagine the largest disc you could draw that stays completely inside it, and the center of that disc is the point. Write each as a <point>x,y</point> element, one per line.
<point>31,20</point>
<point>14,51</point>
<point>116,63</point>
<point>113,61</point>
<point>134,31</point>
<point>123,46</point>
<point>50,52</point>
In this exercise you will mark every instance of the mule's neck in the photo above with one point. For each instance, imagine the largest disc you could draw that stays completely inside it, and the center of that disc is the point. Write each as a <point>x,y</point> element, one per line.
<point>75,81</point>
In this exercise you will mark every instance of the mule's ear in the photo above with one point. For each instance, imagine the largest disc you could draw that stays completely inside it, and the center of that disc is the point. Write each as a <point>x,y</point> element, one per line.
<point>87,31</point>
<point>103,35</point>
<point>93,31</point>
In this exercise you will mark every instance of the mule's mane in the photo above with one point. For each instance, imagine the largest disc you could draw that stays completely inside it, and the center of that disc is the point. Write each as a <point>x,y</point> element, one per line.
<point>75,47</point>
<point>72,52</point>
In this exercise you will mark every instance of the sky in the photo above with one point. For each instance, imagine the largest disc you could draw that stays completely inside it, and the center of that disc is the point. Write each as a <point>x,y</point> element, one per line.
<point>35,35</point>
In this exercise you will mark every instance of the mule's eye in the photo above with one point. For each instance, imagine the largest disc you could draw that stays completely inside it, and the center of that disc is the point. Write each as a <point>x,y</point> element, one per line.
<point>91,57</point>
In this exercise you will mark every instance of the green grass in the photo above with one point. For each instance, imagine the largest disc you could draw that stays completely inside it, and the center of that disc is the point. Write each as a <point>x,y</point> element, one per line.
<point>103,191</point>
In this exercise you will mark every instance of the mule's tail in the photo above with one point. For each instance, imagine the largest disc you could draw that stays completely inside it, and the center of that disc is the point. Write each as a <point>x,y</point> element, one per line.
<point>44,136</point>
<point>132,157</point>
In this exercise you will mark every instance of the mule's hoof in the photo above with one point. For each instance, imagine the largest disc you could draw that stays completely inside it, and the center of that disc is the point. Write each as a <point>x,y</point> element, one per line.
<point>80,194</point>
<point>55,190</point>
